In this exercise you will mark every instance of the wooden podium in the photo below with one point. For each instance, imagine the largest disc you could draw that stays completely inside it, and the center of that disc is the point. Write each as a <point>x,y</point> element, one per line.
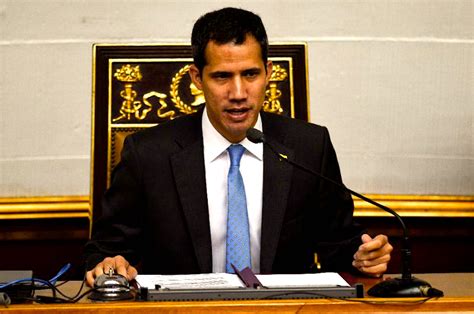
<point>458,289</point>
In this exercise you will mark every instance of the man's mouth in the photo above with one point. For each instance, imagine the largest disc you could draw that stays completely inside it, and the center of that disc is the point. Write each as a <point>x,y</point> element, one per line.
<point>237,113</point>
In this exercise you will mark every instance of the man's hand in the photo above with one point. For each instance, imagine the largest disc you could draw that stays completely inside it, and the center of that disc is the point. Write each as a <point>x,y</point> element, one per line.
<point>373,255</point>
<point>118,264</point>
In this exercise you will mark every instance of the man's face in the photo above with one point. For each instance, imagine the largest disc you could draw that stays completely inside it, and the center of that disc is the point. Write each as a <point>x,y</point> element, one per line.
<point>233,81</point>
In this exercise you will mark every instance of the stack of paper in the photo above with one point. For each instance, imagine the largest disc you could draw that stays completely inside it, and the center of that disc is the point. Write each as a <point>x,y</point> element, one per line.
<point>231,281</point>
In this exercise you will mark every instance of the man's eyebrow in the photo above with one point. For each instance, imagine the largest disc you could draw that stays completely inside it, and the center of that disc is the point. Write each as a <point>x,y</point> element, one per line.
<point>229,73</point>
<point>252,70</point>
<point>219,73</point>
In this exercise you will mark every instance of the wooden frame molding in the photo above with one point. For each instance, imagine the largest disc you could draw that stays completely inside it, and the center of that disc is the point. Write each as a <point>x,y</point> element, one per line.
<point>45,207</point>
<point>417,205</point>
<point>405,205</point>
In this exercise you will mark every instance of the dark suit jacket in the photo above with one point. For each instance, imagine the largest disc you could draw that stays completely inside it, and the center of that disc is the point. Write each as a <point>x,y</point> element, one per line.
<point>156,212</point>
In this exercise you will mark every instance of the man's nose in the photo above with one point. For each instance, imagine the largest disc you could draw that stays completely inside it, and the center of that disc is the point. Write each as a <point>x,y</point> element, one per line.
<point>238,90</point>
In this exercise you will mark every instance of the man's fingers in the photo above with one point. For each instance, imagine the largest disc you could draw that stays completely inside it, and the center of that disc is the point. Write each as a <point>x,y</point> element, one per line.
<point>383,238</point>
<point>369,263</point>
<point>374,244</point>
<point>113,264</point>
<point>375,271</point>
<point>131,273</point>
<point>92,274</point>
<point>366,238</point>
<point>375,254</point>
<point>117,264</point>
<point>106,266</point>
<point>98,270</point>
<point>90,278</point>
<point>122,269</point>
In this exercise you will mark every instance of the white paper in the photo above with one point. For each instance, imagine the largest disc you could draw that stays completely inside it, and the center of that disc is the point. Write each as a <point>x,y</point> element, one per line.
<point>231,281</point>
<point>198,281</point>
<point>302,280</point>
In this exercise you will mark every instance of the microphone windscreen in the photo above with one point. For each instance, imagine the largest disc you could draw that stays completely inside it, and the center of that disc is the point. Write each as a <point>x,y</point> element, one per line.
<point>255,136</point>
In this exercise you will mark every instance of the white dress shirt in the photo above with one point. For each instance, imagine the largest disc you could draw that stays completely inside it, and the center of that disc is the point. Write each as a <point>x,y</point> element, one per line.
<point>216,160</point>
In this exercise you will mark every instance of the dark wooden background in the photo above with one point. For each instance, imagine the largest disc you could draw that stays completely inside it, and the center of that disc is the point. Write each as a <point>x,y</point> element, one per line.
<point>45,245</point>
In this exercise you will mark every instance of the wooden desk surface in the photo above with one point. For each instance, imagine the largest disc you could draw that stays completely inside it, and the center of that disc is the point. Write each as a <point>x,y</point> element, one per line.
<point>458,289</point>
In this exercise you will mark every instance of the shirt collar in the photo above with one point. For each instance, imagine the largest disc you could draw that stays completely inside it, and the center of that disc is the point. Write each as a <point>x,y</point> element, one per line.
<point>215,144</point>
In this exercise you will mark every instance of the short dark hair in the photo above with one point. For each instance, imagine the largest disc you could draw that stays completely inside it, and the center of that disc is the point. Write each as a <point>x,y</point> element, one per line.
<point>224,26</point>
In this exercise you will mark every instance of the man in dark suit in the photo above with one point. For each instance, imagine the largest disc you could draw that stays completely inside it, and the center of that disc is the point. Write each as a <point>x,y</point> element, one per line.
<point>166,208</point>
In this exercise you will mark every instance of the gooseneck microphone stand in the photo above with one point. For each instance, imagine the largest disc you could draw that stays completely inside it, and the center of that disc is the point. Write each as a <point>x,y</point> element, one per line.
<point>407,285</point>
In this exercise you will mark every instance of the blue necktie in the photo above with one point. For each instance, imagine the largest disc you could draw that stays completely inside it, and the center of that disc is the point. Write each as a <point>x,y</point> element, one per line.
<point>238,237</point>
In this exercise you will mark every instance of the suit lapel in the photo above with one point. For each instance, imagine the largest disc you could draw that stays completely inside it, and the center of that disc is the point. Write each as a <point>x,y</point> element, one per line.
<point>276,185</point>
<point>189,172</point>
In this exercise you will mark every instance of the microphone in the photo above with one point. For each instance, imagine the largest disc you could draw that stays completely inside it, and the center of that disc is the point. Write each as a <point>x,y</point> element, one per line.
<point>407,285</point>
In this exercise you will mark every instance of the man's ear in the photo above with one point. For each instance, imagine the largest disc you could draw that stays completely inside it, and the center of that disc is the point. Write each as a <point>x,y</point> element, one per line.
<point>269,69</point>
<point>195,75</point>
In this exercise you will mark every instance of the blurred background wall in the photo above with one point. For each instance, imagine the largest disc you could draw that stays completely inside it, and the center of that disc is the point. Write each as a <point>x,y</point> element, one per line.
<point>392,80</point>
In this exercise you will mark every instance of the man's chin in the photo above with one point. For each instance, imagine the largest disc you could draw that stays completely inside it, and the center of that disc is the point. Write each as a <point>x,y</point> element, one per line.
<point>237,134</point>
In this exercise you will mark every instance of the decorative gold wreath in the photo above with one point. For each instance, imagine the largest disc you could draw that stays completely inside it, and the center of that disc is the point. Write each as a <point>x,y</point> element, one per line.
<point>179,104</point>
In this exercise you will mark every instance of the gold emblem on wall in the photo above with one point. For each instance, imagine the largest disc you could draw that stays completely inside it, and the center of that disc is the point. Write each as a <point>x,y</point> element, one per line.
<point>134,109</point>
<point>130,107</point>
<point>272,94</point>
